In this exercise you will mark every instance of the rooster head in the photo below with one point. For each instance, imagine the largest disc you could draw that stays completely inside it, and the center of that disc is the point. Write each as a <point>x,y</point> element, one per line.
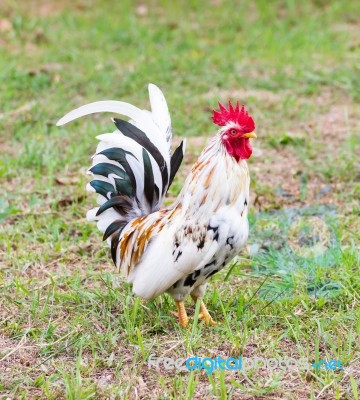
<point>237,129</point>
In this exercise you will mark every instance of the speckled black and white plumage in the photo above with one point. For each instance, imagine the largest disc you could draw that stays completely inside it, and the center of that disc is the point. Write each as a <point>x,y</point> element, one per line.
<point>195,283</point>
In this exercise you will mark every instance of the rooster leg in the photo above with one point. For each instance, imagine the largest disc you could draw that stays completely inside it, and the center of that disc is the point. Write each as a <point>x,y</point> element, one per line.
<point>204,313</point>
<point>183,318</point>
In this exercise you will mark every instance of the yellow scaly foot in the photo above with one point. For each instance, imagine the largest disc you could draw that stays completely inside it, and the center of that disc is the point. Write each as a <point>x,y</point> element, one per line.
<point>204,313</point>
<point>183,318</point>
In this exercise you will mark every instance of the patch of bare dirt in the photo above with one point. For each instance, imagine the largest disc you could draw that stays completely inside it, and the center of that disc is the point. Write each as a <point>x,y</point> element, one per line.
<point>5,25</point>
<point>14,353</point>
<point>336,124</point>
<point>267,96</point>
<point>46,8</point>
<point>281,179</point>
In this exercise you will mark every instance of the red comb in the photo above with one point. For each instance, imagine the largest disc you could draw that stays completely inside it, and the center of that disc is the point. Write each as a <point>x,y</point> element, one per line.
<point>237,115</point>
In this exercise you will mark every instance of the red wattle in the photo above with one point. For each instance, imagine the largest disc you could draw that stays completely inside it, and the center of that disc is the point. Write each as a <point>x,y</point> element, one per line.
<point>240,149</point>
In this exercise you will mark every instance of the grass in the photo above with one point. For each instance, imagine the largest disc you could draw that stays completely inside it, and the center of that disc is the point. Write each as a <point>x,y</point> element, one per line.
<point>69,325</point>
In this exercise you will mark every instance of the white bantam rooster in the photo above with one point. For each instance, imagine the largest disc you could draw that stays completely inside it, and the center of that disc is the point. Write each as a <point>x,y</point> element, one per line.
<point>178,248</point>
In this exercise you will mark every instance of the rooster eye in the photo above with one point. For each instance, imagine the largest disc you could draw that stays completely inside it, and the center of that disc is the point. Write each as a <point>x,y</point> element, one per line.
<point>233,131</point>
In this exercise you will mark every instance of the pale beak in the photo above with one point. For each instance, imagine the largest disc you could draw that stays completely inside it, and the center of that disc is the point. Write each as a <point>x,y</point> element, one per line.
<point>251,135</point>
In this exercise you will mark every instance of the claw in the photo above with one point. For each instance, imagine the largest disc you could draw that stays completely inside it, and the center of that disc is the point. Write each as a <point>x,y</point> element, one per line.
<point>206,317</point>
<point>204,313</point>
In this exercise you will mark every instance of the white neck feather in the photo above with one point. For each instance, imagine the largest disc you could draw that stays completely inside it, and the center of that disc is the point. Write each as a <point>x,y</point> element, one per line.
<point>215,180</point>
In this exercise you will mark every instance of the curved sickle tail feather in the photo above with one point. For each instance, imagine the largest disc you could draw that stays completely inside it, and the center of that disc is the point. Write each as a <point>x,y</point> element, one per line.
<point>132,168</point>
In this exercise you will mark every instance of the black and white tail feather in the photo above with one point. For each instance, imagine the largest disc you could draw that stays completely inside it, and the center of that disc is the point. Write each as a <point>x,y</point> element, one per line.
<point>133,167</point>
